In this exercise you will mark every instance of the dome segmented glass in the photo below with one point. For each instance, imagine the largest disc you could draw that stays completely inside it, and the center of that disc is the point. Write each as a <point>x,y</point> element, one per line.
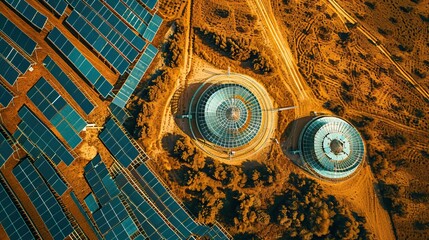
<point>332,147</point>
<point>228,115</point>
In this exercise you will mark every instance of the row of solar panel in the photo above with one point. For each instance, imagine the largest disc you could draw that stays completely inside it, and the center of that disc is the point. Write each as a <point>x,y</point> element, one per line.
<point>97,42</point>
<point>88,221</point>
<point>50,175</point>
<point>68,85</point>
<point>17,35</point>
<point>80,62</point>
<point>152,28</point>
<point>55,108</point>
<point>36,139</point>
<point>113,21</point>
<point>139,10</point>
<point>120,114</point>
<point>59,6</point>
<point>115,38</point>
<point>5,97</point>
<point>135,76</point>
<point>6,149</point>
<point>117,142</point>
<point>127,14</point>
<point>29,13</point>
<point>43,200</point>
<point>15,64</point>
<point>12,220</point>
<point>150,3</point>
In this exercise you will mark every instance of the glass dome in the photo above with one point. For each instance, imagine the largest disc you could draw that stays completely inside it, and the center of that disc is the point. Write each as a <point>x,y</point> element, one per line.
<point>228,115</point>
<point>332,147</point>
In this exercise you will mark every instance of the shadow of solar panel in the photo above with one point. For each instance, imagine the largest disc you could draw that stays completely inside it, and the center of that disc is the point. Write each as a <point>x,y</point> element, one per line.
<point>118,144</point>
<point>29,13</point>
<point>12,221</point>
<point>59,6</point>
<point>17,35</point>
<point>41,137</point>
<point>50,175</point>
<point>43,200</point>
<point>13,56</point>
<point>65,119</point>
<point>135,76</point>
<point>5,97</point>
<point>97,42</point>
<point>84,67</point>
<point>120,114</point>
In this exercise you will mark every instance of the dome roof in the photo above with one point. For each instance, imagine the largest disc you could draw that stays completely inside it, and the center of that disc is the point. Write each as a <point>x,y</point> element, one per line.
<point>228,115</point>
<point>332,147</point>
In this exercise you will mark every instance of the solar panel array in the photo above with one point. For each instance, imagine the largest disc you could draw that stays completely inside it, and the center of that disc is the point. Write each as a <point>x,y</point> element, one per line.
<point>115,22</point>
<point>59,6</point>
<point>139,10</point>
<point>5,96</point>
<point>17,35</point>
<point>121,114</point>
<point>12,221</point>
<point>97,42</point>
<point>135,76</point>
<point>91,203</point>
<point>107,31</point>
<point>118,143</point>
<point>14,61</point>
<point>55,108</point>
<point>6,149</point>
<point>50,175</point>
<point>29,13</point>
<point>68,85</point>
<point>127,14</point>
<point>36,139</point>
<point>79,61</point>
<point>150,3</point>
<point>76,201</point>
<point>43,200</point>
<point>152,28</point>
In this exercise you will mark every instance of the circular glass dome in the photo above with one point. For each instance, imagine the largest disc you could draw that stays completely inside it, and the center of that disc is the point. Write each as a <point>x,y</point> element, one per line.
<point>228,115</point>
<point>332,147</point>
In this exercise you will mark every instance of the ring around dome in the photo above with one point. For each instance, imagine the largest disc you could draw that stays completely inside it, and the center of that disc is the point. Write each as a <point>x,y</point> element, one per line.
<point>331,147</point>
<point>228,115</point>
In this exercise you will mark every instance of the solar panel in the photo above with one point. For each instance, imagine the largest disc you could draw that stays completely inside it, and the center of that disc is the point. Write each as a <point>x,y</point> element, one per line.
<point>139,10</point>
<point>12,221</point>
<point>29,13</point>
<point>100,181</point>
<point>91,203</point>
<point>76,201</point>
<point>68,85</point>
<point>79,61</point>
<point>109,215</point>
<point>59,6</point>
<point>97,42</point>
<point>150,3</point>
<point>14,56</point>
<point>5,96</point>
<point>135,76</point>
<point>17,35</point>
<point>152,28</point>
<point>6,149</point>
<point>129,16</point>
<point>50,175</point>
<point>121,114</point>
<point>119,145</point>
<point>109,32</point>
<point>7,71</point>
<point>35,138</point>
<point>124,230</point>
<point>43,200</point>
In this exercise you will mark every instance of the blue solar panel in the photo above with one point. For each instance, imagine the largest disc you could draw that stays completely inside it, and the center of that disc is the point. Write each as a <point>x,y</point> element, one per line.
<point>124,230</point>
<point>43,200</point>
<point>7,71</point>
<point>29,13</point>
<point>152,28</point>
<point>6,149</point>
<point>119,145</point>
<point>66,120</point>
<point>139,10</point>
<point>76,201</point>
<point>35,138</point>
<point>129,16</point>
<point>97,42</point>
<point>109,215</point>
<point>135,76</point>
<point>100,181</point>
<point>68,85</point>
<point>16,35</point>
<point>80,62</point>
<point>91,203</point>
<point>13,56</point>
<point>59,6</point>
<point>109,32</point>
<point>12,221</point>
<point>150,3</point>
<point>121,114</point>
<point>5,97</point>
<point>50,175</point>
